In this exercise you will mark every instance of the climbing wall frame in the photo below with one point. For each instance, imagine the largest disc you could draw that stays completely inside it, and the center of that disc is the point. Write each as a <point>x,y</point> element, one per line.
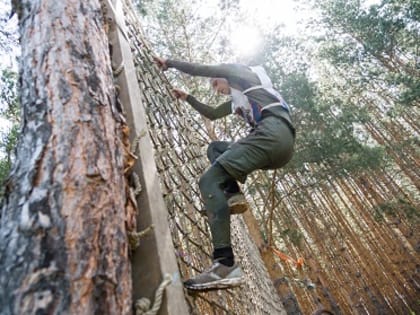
<point>154,259</point>
<point>171,158</point>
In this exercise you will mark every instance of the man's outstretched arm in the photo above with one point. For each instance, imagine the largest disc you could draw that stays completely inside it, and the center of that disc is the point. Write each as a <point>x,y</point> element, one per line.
<point>197,69</point>
<point>227,71</point>
<point>210,112</point>
<point>207,111</point>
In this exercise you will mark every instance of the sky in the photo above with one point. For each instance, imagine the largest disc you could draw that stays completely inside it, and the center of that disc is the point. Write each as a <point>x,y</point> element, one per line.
<point>245,36</point>
<point>268,13</point>
<point>8,59</point>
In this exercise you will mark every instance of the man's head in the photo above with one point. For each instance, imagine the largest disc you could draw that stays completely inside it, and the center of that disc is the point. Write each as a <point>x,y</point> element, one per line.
<point>220,85</point>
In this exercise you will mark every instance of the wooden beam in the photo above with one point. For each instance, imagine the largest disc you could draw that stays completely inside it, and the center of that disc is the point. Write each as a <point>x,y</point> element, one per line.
<point>156,255</point>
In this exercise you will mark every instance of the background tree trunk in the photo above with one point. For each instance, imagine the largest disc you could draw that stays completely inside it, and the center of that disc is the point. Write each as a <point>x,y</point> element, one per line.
<point>63,236</point>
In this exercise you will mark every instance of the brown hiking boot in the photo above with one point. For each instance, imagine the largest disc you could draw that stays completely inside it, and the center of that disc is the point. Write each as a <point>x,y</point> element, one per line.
<point>237,203</point>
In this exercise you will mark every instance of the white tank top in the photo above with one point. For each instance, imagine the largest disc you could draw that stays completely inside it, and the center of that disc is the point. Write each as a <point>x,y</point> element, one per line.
<point>250,111</point>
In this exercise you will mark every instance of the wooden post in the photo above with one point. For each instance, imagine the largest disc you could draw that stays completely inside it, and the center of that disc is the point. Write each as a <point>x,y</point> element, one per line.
<point>155,256</point>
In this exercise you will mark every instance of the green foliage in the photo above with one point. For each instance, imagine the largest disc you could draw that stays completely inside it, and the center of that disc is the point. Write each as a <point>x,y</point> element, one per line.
<point>294,236</point>
<point>8,95</point>
<point>377,44</point>
<point>366,58</point>
<point>325,127</point>
<point>398,206</point>
<point>11,112</point>
<point>4,170</point>
<point>9,105</point>
<point>326,79</point>
<point>409,86</point>
<point>9,141</point>
<point>297,89</point>
<point>178,30</point>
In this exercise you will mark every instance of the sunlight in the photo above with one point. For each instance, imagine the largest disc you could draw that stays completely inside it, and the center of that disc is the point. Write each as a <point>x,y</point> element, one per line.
<point>264,16</point>
<point>245,39</point>
<point>261,17</point>
<point>274,12</point>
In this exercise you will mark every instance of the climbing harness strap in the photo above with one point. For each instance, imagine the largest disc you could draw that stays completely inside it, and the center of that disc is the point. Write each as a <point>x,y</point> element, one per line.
<point>249,110</point>
<point>267,85</point>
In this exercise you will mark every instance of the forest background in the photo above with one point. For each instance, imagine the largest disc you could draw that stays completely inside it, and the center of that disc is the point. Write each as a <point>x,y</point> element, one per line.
<point>349,70</point>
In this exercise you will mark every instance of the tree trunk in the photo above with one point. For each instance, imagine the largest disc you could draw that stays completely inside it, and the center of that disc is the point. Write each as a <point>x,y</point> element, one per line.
<point>63,247</point>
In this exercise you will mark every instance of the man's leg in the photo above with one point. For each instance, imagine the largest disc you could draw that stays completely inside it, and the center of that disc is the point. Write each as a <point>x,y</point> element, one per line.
<point>214,150</point>
<point>224,273</point>
<point>236,200</point>
<point>212,191</point>
<point>217,148</point>
<point>260,150</point>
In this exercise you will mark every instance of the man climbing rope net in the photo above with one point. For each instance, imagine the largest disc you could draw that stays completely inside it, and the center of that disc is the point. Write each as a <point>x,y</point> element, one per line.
<point>269,145</point>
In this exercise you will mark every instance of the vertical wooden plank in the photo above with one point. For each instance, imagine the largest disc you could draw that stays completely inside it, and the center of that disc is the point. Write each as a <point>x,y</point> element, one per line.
<point>156,255</point>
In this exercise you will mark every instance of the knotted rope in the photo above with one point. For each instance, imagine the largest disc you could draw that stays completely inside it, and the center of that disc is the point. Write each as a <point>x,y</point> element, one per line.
<point>143,305</point>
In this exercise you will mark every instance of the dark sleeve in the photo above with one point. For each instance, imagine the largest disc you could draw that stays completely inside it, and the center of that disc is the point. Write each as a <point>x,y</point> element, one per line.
<point>210,112</point>
<point>213,71</point>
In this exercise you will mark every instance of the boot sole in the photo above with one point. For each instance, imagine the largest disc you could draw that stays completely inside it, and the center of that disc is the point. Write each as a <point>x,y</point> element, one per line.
<point>217,285</point>
<point>238,207</point>
<point>234,208</point>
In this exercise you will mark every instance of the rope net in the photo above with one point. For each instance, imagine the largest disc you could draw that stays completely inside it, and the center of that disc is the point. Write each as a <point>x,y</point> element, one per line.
<point>180,143</point>
<point>359,234</point>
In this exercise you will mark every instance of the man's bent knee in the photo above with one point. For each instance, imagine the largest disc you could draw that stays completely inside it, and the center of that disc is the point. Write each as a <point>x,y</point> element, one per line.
<point>210,150</point>
<point>216,174</point>
<point>205,180</point>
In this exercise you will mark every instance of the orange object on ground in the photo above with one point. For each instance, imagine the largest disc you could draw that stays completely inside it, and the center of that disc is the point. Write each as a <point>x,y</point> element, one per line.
<point>298,263</point>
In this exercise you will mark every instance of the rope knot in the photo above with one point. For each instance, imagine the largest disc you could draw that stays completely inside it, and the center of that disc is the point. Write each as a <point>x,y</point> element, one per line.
<point>143,305</point>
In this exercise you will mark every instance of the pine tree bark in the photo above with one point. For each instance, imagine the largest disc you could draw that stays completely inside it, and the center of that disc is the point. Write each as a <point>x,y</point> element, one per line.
<point>63,247</point>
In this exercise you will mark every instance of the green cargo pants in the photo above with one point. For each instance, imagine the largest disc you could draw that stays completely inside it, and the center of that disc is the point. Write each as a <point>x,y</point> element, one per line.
<point>269,146</point>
